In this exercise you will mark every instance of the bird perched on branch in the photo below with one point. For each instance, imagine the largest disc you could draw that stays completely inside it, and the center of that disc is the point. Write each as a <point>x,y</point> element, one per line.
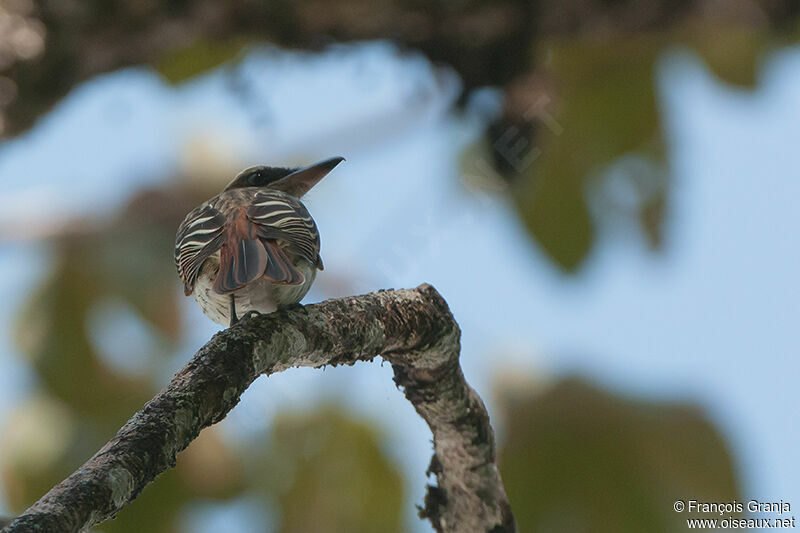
<point>254,247</point>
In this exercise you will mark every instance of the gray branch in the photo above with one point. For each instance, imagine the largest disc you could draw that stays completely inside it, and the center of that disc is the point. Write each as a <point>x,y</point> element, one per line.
<point>412,329</point>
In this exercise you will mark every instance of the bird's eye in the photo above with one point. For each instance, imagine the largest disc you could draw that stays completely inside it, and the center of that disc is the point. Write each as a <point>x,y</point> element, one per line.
<point>255,178</point>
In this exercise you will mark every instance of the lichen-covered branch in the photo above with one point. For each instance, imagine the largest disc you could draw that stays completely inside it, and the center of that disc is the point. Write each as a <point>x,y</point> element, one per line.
<point>412,329</point>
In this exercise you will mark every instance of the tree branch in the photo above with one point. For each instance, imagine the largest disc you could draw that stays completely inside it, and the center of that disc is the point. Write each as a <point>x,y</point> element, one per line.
<point>412,329</point>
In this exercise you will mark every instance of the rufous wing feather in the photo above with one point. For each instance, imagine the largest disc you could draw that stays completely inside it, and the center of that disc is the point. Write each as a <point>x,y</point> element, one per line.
<point>279,269</point>
<point>241,261</point>
<point>247,256</point>
<point>243,257</point>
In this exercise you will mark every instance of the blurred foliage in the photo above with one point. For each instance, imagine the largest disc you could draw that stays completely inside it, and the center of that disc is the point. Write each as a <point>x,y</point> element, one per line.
<point>487,42</point>
<point>580,95</point>
<point>86,400</point>
<point>128,260</point>
<point>597,58</point>
<point>580,459</point>
<point>597,105</point>
<point>573,453</point>
<point>328,474</point>
<point>200,56</point>
<point>606,108</point>
<point>325,462</point>
<point>207,469</point>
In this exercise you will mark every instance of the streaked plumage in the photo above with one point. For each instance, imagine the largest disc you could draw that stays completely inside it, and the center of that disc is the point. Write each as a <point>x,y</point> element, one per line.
<point>254,243</point>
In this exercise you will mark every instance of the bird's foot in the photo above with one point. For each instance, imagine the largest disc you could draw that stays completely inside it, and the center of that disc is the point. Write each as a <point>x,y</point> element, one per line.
<point>234,319</point>
<point>251,313</point>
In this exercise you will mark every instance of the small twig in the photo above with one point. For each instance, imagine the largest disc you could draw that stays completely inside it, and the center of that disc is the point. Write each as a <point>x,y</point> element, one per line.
<point>412,329</point>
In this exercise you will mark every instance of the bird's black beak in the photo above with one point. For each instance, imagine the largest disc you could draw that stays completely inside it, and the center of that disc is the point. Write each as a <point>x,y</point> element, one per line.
<point>301,181</point>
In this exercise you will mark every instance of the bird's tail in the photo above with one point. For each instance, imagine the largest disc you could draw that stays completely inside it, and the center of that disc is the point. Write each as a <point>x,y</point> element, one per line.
<point>245,257</point>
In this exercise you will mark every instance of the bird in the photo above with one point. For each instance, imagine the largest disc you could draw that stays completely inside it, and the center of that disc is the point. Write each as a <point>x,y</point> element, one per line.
<point>254,247</point>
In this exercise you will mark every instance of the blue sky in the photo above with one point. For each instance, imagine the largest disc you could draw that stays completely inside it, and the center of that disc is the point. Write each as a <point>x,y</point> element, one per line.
<point>711,319</point>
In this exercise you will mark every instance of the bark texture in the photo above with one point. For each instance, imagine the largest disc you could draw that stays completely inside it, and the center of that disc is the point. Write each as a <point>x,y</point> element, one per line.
<point>412,329</point>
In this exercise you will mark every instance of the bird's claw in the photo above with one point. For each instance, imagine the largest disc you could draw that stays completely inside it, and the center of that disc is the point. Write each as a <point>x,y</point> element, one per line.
<point>251,313</point>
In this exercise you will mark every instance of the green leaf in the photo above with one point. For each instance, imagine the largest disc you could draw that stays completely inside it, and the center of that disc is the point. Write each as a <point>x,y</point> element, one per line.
<point>606,108</point>
<point>199,57</point>
<point>578,458</point>
<point>329,473</point>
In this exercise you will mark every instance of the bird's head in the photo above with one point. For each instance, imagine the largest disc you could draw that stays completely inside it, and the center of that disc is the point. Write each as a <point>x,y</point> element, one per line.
<point>294,181</point>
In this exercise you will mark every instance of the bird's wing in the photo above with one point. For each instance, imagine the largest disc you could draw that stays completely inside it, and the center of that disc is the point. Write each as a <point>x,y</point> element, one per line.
<point>282,219</point>
<point>199,236</point>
